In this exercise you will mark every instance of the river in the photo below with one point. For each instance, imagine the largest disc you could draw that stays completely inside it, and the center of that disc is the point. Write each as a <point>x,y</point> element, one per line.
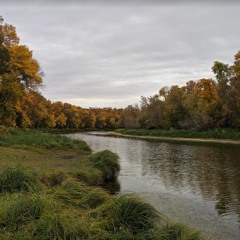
<point>194,183</point>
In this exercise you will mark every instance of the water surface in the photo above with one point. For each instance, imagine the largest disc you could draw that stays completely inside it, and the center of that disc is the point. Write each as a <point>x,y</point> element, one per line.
<point>195,183</point>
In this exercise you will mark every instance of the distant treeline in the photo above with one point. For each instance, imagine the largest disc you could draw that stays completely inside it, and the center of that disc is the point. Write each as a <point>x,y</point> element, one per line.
<point>201,104</point>
<point>37,112</point>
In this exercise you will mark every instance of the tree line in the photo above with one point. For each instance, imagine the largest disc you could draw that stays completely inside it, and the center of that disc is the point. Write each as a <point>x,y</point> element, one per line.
<point>21,103</point>
<point>201,104</point>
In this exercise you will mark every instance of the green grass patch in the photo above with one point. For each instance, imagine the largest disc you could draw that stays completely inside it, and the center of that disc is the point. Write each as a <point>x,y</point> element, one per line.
<point>211,134</point>
<point>39,139</point>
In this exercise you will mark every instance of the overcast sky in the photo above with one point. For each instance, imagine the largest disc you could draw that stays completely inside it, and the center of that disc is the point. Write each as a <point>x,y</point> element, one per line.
<point>108,55</point>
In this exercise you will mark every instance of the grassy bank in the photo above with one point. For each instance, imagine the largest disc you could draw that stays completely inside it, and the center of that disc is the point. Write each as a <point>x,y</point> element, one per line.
<point>51,187</point>
<point>211,134</point>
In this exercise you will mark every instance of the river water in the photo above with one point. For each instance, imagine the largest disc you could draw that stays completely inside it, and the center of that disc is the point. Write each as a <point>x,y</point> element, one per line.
<point>195,183</point>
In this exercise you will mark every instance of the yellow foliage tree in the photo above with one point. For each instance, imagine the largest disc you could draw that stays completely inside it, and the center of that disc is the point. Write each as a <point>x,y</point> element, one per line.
<point>19,73</point>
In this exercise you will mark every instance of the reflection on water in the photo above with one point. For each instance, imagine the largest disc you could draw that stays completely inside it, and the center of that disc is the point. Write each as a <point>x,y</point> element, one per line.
<point>211,172</point>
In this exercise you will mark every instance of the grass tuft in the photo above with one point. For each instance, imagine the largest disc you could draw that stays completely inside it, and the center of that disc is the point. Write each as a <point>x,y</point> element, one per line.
<point>79,195</point>
<point>88,174</point>
<point>16,178</point>
<point>52,227</point>
<point>107,162</point>
<point>20,209</point>
<point>177,231</point>
<point>129,213</point>
<point>53,179</point>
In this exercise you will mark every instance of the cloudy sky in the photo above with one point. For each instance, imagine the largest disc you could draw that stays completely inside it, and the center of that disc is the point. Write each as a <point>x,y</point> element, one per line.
<point>105,54</point>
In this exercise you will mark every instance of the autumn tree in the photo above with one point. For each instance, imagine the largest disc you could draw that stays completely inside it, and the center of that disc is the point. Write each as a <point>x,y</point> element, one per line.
<point>201,103</point>
<point>35,111</point>
<point>151,115</point>
<point>234,92</point>
<point>228,79</point>
<point>74,116</point>
<point>129,117</point>
<point>60,118</point>
<point>19,73</point>
<point>174,112</point>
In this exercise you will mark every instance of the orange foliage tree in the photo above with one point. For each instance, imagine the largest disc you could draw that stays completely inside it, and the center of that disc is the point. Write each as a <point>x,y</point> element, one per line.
<point>19,73</point>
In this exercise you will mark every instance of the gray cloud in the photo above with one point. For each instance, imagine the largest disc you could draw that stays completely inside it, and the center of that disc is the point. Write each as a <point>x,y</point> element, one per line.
<point>110,55</point>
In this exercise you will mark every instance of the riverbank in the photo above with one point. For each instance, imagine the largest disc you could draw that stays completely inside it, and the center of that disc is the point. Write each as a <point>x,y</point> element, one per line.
<point>180,136</point>
<point>193,183</point>
<point>52,187</point>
